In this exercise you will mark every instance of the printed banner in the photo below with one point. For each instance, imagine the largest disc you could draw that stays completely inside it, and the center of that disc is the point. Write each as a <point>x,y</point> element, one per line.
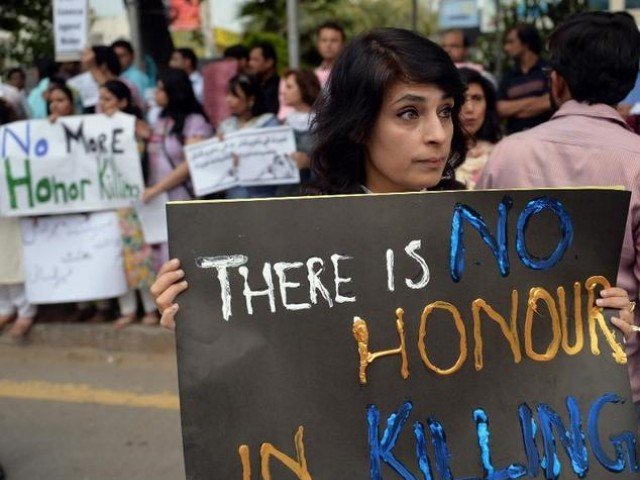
<point>70,28</point>
<point>77,164</point>
<point>411,336</point>
<point>73,258</point>
<point>262,157</point>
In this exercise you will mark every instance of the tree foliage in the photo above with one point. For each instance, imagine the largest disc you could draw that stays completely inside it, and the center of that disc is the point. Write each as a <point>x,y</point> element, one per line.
<point>29,24</point>
<point>355,16</point>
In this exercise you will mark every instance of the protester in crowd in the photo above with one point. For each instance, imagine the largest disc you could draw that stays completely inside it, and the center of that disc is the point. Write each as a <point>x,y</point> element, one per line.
<point>263,63</point>
<point>15,99</point>
<point>182,122</point>
<point>330,40</point>
<point>302,88</point>
<point>36,99</point>
<point>246,112</point>
<point>456,43</point>
<point>480,120</point>
<point>523,96</point>
<point>62,102</point>
<point>240,55</point>
<point>124,50</point>
<point>390,123</point>
<point>593,66</point>
<point>17,78</point>
<point>13,301</point>
<point>186,59</point>
<point>216,77</point>
<point>104,65</point>
<point>115,96</point>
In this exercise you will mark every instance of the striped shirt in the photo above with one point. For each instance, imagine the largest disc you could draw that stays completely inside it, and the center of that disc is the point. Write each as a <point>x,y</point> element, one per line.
<point>582,145</point>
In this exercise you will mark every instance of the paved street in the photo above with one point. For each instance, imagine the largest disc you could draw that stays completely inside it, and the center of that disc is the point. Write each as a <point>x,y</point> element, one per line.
<point>83,414</point>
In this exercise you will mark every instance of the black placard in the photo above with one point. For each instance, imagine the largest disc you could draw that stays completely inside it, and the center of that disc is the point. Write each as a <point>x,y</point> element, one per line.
<point>535,404</point>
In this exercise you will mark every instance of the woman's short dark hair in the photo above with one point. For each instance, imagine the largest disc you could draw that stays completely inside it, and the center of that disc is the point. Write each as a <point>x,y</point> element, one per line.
<point>529,36</point>
<point>490,128</point>
<point>348,108</point>
<point>308,84</point>
<point>181,99</point>
<point>597,54</point>
<point>107,56</point>
<point>121,91</point>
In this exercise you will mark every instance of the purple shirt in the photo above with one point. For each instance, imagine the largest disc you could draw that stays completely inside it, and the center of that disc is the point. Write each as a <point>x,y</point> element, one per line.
<point>167,152</point>
<point>582,145</point>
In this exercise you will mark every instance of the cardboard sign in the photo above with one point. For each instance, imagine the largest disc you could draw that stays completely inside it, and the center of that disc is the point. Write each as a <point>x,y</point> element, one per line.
<point>411,336</point>
<point>77,164</point>
<point>87,87</point>
<point>70,29</point>
<point>73,258</point>
<point>153,219</point>
<point>263,158</point>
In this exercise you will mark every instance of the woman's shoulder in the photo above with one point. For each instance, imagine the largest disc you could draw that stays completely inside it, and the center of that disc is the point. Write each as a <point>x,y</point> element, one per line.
<point>197,124</point>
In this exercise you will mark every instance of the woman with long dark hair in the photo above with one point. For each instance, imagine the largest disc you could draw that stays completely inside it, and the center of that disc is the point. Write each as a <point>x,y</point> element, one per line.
<point>479,116</point>
<point>389,122</point>
<point>115,96</point>
<point>182,122</point>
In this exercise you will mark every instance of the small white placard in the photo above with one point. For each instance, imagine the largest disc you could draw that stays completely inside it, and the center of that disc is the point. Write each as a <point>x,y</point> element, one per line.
<point>73,258</point>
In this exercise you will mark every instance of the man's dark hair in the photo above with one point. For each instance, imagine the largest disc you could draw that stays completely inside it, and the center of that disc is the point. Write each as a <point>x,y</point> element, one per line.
<point>239,52</point>
<point>107,56</point>
<point>19,70</point>
<point>330,25</point>
<point>123,44</point>
<point>466,43</point>
<point>268,51</point>
<point>529,36</point>
<point>597,54</point>
<point>190,55</point>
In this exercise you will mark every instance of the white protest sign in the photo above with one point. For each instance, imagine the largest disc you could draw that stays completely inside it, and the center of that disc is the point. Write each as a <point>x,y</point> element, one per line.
<point>70,28</point>
<point>77,164</point>
<point>153,218</point>
<point>211,166</point>
<point>73,258</point>
<point>264,158</point>
<point>87,87</point>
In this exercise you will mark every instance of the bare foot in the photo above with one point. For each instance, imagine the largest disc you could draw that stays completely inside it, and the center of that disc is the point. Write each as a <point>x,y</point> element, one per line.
<point>99,317</point>
<point>5,320</point>
<point>150,319</point>
<point>20,328</point>
<point>124,321</point>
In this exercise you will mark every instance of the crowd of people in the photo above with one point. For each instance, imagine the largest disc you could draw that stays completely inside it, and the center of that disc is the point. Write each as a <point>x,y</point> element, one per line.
<point>388,111</point>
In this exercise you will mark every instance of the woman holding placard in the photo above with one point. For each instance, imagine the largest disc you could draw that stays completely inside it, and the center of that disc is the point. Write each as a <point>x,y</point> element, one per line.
<point>388,122</point>
<point>61,104</point>
<point>13,300</point>
<point>182,122</point>
<point>301,89</point>
<point>115,96</point>
<point>241,99</point>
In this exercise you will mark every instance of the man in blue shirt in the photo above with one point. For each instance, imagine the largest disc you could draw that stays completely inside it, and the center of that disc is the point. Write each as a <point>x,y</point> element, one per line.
<point>125,54</point>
